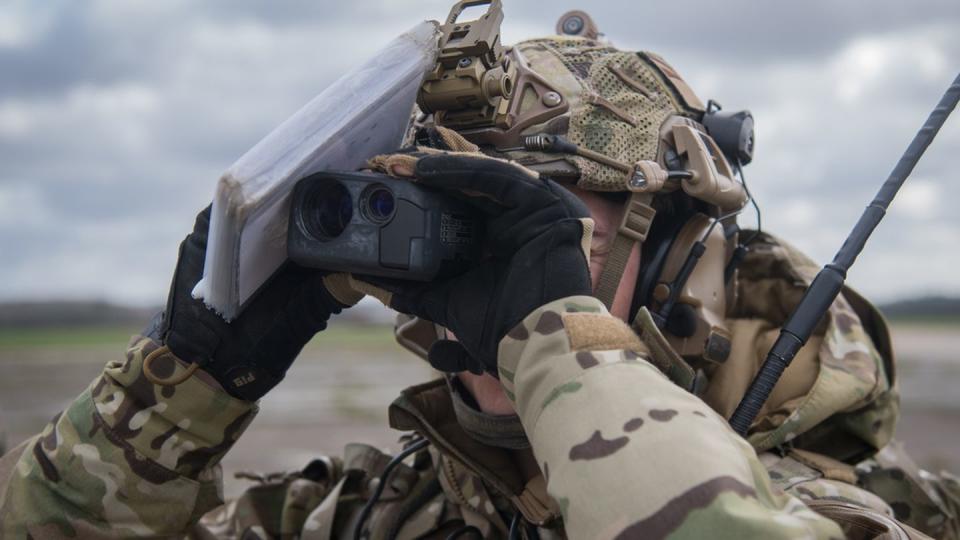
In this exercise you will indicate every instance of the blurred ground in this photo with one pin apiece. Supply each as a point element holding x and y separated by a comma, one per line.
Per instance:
<point>338,391</point>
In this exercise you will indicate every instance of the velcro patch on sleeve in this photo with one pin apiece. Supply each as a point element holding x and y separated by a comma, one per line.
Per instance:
<point>600,332</point>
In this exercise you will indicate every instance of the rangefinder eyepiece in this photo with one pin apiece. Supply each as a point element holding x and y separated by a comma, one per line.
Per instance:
<point>373,224</point>
<point>378,203</point>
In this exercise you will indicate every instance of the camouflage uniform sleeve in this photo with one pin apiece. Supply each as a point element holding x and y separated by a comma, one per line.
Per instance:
<point>126,459</point>
<point>625,452</point>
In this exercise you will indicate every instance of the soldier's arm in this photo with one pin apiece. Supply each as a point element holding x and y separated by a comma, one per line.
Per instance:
<point>126,459</point>
<point>626,453</point>
<point>130,458</point>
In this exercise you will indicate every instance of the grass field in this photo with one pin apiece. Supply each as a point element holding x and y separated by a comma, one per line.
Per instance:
<point>336,335</point>
<point>347,335</point>
<point>63,337</point>
<point>934,321</point>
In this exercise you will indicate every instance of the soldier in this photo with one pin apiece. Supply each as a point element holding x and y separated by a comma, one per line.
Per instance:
<point>567,411</point>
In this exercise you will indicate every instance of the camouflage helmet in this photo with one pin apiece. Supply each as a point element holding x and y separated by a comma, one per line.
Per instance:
<point>580,111</point>
<point>618,103</point>
<point>609,103</point>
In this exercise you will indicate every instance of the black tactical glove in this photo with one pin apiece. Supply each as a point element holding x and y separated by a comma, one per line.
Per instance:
<point>249,355</point>
<point>534,231</point>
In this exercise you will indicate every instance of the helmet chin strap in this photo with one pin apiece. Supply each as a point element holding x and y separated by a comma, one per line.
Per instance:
<point>633,229</point>
<point>641,179</point>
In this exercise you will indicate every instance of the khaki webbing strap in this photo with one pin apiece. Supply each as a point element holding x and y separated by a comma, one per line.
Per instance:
<point>613,270</point>
<point>637,217</point>
<point>536,505</point>
<point>662,354</point>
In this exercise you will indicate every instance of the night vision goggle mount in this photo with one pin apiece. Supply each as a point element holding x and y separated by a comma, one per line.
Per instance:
<point>476,85</point>
<point>469,86</point>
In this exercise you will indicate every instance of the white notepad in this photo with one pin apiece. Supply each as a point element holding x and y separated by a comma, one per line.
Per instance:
<point>362,114</point>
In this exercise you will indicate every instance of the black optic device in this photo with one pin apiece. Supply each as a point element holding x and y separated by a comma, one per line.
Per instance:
<point>369,223</point>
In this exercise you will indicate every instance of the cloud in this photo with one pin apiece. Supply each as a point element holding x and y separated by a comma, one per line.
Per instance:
<point>117,117</point>
<point>920,200</point>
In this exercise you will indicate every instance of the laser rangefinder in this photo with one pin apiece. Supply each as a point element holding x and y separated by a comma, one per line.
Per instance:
<point>373,224</point>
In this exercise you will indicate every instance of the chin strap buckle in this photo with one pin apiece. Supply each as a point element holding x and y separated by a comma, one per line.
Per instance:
<point>637,217</point>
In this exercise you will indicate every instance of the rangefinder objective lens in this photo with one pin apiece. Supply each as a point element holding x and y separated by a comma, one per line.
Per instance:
<point>346,211</point>
<point>379,204</point>
<point>330,210</point>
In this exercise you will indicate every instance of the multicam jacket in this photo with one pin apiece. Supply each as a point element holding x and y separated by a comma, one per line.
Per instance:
<point>616,449</point>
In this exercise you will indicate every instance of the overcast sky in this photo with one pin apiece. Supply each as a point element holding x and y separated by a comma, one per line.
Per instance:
<point>117,117</point>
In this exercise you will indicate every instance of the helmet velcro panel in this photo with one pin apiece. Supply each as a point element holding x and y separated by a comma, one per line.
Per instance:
<point>618,106</point>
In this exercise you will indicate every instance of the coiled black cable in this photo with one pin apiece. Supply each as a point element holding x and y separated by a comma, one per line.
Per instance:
<point>514,533</point>
<point>367,508</point>
<point>464,530</point>
<point>753,201</point>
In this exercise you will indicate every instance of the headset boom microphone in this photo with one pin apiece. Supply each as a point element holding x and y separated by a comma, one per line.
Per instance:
<point>826,286</point>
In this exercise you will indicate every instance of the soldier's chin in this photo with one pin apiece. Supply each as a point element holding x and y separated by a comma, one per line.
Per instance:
<point>488,393</point>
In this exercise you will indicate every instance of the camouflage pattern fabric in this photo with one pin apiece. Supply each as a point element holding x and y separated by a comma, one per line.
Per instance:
<point>851,399</point>
<point>808,483</point>
<point>324,501</point>
<point>125,459</point>
<point>594,413</point>
<point>130,459</point>
<point>476,501</point>
<point>895,489</point>
<point>928,502</point>
<point>618,102</point>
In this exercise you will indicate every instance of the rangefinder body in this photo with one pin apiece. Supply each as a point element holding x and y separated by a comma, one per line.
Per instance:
<point>373,224</point>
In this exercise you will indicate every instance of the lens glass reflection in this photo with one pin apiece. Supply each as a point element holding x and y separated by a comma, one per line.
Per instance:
<point>380,204</point>
<point>332,210</point>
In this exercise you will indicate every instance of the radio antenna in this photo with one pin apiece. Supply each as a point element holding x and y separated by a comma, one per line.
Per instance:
<point>826,286</point>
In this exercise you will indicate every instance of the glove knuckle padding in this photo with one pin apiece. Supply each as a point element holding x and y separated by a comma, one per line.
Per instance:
<point>565,253</point>
<point>501,180</point>
<point>534,240</point>
<point>533,236</point>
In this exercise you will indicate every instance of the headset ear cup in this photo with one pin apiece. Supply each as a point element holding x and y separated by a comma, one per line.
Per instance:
<point>653,256</point>
<point>683,321</point>
<point>685,281</point>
